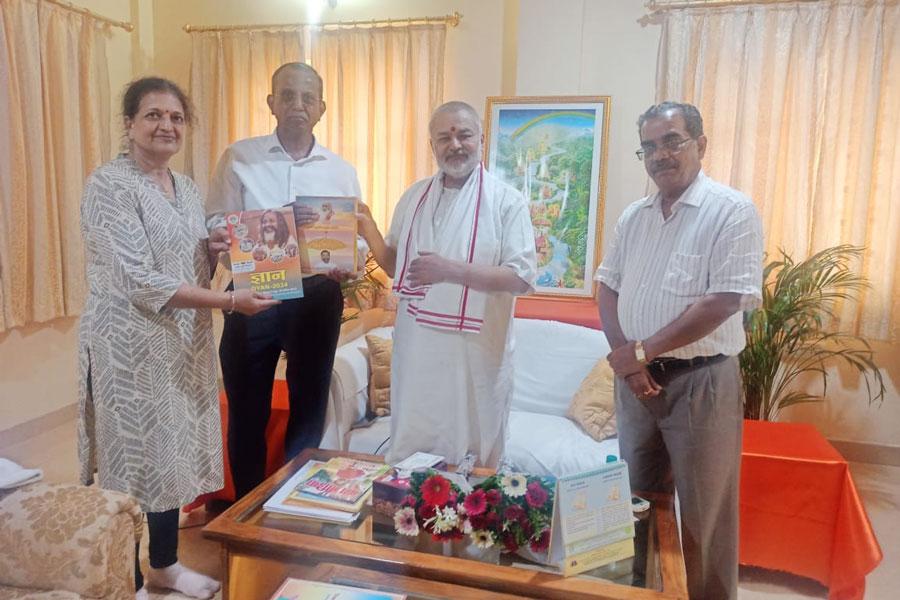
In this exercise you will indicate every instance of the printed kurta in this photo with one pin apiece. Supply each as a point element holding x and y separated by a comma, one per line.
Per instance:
<point>150,423</point>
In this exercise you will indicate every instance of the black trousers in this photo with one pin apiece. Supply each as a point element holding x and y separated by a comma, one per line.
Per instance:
<point>307,329</point>
<point>163,528</point>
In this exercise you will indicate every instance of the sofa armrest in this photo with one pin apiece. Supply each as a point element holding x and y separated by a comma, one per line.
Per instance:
<point>348,395</point>
<point>69,537</point>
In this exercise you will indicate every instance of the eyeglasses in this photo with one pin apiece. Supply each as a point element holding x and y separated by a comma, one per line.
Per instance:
<point>672,147</point>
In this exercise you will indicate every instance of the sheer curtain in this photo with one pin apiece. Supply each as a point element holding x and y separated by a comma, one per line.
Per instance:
<point>381,84</point>
<point>801,105</point>
<point>54,130</point>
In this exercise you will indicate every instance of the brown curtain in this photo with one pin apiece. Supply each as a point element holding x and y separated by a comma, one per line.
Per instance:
<point>381,85</point>
<point>54,130</point>
<point>801,105</point>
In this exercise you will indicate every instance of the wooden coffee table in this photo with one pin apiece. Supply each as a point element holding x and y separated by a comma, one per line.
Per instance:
<point>260,549</point>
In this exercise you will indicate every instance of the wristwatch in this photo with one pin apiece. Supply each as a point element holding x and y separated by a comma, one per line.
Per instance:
<point>639,352</point>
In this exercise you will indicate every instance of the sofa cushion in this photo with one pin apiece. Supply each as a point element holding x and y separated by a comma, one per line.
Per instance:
<point>380,350</point>
<point>593,406</point>
<point>68,537</point>
<point>542,444</point>
<point>550,361</point>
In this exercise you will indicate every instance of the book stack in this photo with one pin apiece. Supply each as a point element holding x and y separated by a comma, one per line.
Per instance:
<point>593,524</point>
<point>335,490</point>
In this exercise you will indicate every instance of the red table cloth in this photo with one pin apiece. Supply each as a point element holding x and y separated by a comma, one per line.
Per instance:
<point>800,511</point>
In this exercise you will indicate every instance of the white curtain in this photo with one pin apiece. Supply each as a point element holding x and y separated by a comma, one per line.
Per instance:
<point>381,85</point>
<point>54,130</point>
<point>801,105</point>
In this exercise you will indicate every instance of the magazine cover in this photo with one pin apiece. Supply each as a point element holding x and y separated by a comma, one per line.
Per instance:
<point>265,253</point>
<point>330,242</point>
<point>302,589</point>
<point>340,479</point>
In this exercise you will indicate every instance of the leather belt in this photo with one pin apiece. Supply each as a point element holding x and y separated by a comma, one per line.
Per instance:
<point>665,364</point>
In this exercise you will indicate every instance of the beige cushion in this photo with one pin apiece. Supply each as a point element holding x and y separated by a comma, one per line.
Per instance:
<point>380,350</point>
<point>593,406</point>
<point>69,538</point>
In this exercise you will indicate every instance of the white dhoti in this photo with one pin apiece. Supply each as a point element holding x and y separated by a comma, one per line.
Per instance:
<point>451,375</point>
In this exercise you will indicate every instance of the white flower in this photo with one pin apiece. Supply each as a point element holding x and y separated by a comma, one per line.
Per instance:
<point>445,519</point>
<point>482,538</point>
<point>514,485</point>
<point>464,524</point>
<point>405,521</point>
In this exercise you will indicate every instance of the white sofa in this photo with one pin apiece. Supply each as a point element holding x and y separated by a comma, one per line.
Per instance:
<point>550,361</point>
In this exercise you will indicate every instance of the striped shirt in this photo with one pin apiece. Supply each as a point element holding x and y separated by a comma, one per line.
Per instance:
<point>712,242</point>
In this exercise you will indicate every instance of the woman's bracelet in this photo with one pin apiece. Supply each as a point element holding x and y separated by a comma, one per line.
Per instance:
<point>230,310</point>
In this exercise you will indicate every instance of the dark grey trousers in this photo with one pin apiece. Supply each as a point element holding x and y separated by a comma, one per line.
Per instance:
<point>690,435</point>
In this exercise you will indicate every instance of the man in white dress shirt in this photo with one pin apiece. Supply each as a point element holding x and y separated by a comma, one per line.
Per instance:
<point>683,265</point>
<point>266,172</point>
<point>460,248</point>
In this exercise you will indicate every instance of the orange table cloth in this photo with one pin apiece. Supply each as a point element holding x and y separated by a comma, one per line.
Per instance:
<point>800,511</point>
<point>582,312</point>
<point>274,442</point>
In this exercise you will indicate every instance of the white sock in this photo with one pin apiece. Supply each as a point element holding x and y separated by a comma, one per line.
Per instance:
<point>142,594</point>
<point>181,579</point>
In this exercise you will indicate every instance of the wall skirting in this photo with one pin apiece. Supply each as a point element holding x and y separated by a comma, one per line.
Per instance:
<point>864,452</point>
<point>38,425</point>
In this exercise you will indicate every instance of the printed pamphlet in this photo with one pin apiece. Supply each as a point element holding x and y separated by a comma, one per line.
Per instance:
<point>330,242</point>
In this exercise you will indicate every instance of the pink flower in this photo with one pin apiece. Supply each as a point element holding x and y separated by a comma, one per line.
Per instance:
<point>405,522</point>
<point>542,542</point>
<point>436,490</point>
<point>536,495</point>
<point>475,503</point>
<point>409,500</point>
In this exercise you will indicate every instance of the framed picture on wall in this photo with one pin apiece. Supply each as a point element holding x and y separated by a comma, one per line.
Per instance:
<point>553,149</point>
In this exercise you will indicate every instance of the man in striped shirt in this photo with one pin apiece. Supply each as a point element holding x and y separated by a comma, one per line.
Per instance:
<point>684,263</point>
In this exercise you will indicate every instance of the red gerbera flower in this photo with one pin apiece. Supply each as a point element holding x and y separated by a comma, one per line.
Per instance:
<point>436,490</point>
<point>536,495</point>
<point>514,513</point>
<point>493,497</point>
<point>426,511</point>
<point>509,541</point>
<point>475,503</point>
<point>542,542</point>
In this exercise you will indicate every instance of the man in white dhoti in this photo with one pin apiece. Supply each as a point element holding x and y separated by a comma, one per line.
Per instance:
<point>460,248</point>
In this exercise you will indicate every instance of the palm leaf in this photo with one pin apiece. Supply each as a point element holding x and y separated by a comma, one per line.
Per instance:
<point>791,334</point>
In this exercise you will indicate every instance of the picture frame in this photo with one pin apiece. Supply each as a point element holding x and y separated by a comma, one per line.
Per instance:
<point>554,150</point>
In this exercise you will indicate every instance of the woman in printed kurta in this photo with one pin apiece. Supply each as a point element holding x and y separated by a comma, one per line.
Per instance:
<point>148,394</point>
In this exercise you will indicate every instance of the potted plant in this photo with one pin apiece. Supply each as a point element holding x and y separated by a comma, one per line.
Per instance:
<point>362,291</point>
<point>792,333</point>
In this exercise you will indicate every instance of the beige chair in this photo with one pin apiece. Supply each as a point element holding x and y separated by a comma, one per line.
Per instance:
<point>67,541</point>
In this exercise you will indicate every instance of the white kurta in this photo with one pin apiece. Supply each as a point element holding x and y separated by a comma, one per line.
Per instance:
<point>451,390</point>
<point>150,422</point>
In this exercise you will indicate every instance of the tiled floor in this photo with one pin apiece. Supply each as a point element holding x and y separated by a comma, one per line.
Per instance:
<point>879,486</point>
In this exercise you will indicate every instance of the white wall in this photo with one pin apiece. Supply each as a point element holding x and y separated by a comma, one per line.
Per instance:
<point>594,48</point>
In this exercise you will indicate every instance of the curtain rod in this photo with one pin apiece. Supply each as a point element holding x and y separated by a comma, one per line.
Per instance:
<point>451,20</point>
<point>655,6</point>
<point>69,6</point>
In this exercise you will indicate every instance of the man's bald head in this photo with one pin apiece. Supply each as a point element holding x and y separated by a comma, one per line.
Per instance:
<point>455,106</point>
<point>301,67</point>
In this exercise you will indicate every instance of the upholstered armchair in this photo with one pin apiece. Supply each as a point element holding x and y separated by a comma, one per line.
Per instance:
<point>67,541</point>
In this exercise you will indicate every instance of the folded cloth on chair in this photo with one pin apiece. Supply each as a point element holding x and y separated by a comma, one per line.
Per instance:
<point>12,475</point>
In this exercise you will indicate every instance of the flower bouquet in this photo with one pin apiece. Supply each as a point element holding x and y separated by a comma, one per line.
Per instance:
<point>512,509</point>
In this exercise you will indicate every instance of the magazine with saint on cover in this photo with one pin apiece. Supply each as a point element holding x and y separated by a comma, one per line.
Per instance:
<point>330,242</point>
<point>265,255</point>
